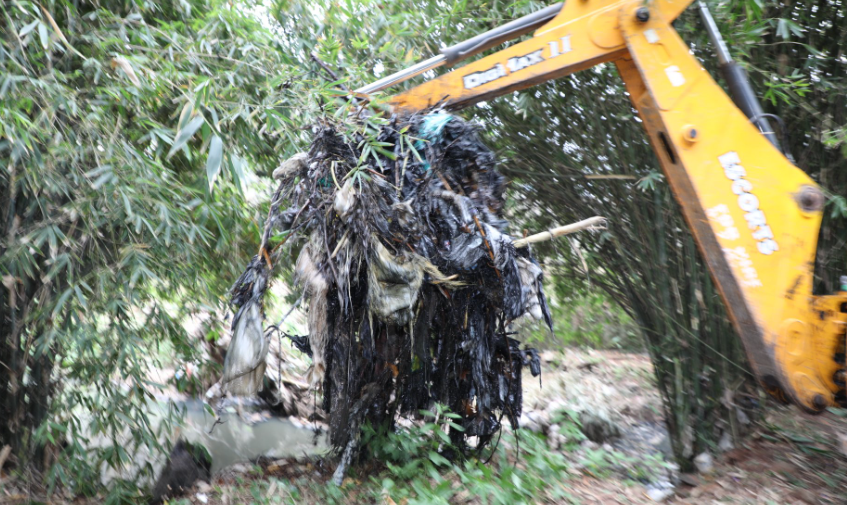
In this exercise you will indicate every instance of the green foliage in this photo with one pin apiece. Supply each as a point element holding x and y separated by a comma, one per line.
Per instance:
<point>417,450</point>
<point>599,462</point>
<point>584,318</point>
<point>569,427</point>
<point>521,469</point>
<point>131,134</point>
<point>555,134</point>
<point>603,463</point>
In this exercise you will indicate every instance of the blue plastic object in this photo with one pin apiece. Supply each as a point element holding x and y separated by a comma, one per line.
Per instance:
<point>431,129</point>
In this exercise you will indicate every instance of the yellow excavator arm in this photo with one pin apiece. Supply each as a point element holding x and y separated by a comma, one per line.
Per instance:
<point>754,215</point>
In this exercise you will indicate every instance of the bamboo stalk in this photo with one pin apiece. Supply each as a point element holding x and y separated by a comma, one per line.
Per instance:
<point>591,222</point>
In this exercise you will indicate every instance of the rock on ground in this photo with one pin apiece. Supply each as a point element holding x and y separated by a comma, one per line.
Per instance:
<point>704,462</point>
<point>597,426</point>
<point>186,465</point>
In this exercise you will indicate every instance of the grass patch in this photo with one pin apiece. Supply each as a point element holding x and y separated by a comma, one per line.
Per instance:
<point>418,465</point>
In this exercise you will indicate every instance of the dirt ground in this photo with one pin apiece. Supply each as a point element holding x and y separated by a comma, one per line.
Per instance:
<point>792,457</point>
<point>789,457</point>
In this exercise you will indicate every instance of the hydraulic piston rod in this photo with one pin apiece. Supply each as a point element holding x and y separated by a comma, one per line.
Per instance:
<point>463,50</point>
<point>739,86</point>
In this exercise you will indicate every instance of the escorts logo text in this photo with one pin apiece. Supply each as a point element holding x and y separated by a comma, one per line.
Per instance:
<point>748,202</point>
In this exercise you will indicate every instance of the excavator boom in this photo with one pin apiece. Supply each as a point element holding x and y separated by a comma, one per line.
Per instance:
<point>754,215</point>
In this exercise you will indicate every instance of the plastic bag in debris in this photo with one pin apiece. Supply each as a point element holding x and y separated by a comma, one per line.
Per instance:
<point>395,282</point>
<point>244,366</point>
<point>315,287</point>
<point>411,276</point>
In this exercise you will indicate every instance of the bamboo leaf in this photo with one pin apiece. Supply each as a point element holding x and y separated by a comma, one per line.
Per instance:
<point>185,134</point>
<point>238,172</point>
<point>59,32</point>
<point>60,303</point>
<point>123,64</point>
<point>185,114</point>
<point>28,28</point>
<point>42,34</point>
<point>213,162</point>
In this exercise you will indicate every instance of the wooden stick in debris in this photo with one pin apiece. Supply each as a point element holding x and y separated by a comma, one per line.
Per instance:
<point>340,244</point>
<point>487,245</point>
<point>615,177</point>
<point>341,469</point>
<point>591,222</point>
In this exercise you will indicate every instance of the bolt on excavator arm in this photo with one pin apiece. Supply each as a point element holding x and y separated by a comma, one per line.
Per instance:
<point>754,215</point>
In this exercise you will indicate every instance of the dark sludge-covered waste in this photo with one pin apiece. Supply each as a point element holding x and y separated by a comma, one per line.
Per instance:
<point>409,278</point>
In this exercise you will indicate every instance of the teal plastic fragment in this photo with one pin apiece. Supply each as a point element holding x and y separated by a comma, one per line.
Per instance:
<point>431,129</point>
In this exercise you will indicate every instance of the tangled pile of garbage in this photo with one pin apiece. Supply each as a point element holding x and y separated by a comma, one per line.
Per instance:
<point>411,277</point>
